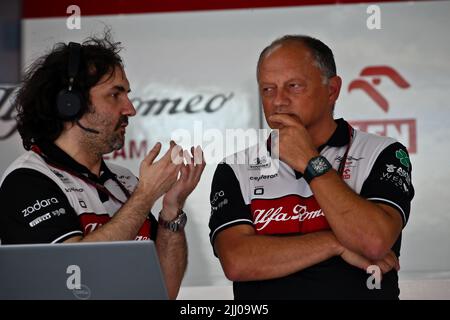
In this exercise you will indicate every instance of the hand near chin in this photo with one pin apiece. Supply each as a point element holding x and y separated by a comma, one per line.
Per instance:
<point>294,142</point>
<point>191,172</point>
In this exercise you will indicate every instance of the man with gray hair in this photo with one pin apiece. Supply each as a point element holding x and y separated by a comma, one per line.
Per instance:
<point>334,211</point>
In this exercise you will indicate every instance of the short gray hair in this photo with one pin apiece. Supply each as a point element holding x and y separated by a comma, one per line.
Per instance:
<point>322,54</point>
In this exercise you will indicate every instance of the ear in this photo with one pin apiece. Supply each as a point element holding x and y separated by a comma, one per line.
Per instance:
<point>334,88</point>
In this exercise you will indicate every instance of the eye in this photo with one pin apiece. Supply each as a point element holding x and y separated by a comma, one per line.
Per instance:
<point>295,86</point>
<point>268,91</point>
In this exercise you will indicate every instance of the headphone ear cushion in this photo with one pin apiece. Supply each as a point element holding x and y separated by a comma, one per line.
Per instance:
<point>68,104</point>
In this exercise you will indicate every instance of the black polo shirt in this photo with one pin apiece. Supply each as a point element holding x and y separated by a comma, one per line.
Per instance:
<point>281,203</point>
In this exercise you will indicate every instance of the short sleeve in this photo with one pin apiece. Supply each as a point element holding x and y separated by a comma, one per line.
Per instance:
<point>35,210</point>
<point>227,204</point>
<point>389,181</point>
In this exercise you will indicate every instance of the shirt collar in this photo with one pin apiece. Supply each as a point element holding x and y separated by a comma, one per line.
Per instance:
<point>57,155</point>
<point>340,136</point>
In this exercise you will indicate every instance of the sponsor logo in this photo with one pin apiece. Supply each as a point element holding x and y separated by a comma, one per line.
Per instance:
<point>59,212</point>
<point>397,176</point>
<point>142,238</point>
<point>74,189</point>
<point>259,162</point>
<point>351,162</point>
<point>299,213</point>
<point>216,196</point>
<point>258,191</point>
<point>403,130</point>
<point>38,205</point>
<point>350,159</point>
<point>61,176</point>
<point>403,157</point>
<point>38,220</point>
<point>369,89</point>
<point>82,204</point>
<point>346,174</point>
<point>289,214</point>
<point>403,173</point>
<point>219,205</point>
<point>390,168</point>
<point>91,221</point>
<point>91,227</point>
<point>264,177</point>
<point>145,106</point>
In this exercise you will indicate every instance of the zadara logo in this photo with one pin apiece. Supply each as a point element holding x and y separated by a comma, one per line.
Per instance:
<point>369,88</point>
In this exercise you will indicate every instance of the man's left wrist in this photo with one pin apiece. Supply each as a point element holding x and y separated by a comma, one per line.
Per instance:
<point>175,224</point>
<point>316,167</point>
<point>169,212</point>
<point>301,167</point>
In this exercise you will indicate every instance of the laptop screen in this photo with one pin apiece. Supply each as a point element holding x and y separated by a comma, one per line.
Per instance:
<point>94,270</point>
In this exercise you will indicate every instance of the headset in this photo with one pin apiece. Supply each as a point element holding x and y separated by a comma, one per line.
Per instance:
<point>69,102</point>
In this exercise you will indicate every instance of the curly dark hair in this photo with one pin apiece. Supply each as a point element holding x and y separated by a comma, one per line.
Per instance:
<point>35,102</point>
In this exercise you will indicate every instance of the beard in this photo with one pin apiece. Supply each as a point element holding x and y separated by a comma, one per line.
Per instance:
<point>107,140</point>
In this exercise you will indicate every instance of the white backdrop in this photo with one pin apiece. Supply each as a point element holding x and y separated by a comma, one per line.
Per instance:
<point>204,62</point>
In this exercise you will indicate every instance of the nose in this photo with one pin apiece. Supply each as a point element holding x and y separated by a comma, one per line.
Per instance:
<point>128,108</point>
<point>281,99</point>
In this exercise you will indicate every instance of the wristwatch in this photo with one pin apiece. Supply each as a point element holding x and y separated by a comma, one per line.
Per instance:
<point>317,166</point>
<point>176,224</point>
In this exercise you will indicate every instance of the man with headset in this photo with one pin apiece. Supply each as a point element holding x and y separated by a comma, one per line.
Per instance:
<point>73,108</point>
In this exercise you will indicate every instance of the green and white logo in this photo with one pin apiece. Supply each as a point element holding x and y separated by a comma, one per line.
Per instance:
<point>403,157</point>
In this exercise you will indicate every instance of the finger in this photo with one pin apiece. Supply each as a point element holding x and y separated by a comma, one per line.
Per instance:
<point>198,155</point>
<point>188,157</point>
<point>189,167</point>
<point>396,261</point>
<point>185,172</point>
<point>285,120</point>
<point>176,153</point>
<point>384,266</point>
<point>153,153</point>
<point>198,152</point>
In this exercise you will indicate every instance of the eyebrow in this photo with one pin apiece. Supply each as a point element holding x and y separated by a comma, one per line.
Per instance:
<point>121,89</point>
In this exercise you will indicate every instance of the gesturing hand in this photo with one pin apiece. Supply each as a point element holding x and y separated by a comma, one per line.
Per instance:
<point>189,178</point>
<point>155,178</point>
<point>294,142</point>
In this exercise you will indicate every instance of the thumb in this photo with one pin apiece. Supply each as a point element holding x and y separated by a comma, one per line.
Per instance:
<point>153,153</point>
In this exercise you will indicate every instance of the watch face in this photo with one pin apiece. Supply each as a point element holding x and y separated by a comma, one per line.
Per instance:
<point>320,165</point>
<point>179,222</point>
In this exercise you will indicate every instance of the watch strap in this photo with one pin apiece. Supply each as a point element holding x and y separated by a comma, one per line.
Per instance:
<point>176,224</point>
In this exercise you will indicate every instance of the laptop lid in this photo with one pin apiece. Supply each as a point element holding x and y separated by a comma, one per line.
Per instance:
<point>94,270</point>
